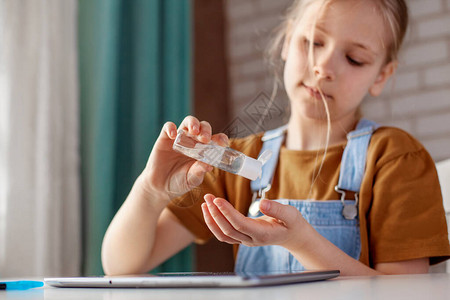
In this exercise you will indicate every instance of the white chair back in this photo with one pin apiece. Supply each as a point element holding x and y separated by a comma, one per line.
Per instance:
<point>443,169</point>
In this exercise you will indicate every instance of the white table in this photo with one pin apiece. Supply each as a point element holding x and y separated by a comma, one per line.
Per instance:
<point>426,286</point>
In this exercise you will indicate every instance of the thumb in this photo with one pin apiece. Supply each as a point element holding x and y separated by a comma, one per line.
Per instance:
<point>285,213</point>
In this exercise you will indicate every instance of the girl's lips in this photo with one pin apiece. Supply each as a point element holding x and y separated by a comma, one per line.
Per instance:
<point>315,93</point>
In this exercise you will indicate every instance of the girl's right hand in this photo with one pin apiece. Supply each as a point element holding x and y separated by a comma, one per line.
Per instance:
<point>172,173</point>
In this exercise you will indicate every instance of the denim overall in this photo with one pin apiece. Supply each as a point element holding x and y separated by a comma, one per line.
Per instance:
<point>336,220</point>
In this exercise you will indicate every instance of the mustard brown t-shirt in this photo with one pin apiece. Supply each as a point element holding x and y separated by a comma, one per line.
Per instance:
<point>400,210</point>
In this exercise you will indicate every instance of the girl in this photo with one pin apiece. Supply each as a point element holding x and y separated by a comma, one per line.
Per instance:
<point>367,201</point>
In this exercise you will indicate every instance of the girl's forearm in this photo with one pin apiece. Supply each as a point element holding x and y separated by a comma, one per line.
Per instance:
<point>129,240</point>
<point>315,252</point>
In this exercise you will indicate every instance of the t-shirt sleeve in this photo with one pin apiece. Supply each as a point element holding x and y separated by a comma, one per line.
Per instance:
<point>407,219</point>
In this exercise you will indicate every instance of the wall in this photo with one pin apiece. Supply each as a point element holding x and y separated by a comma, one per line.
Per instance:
<point>418,102</point>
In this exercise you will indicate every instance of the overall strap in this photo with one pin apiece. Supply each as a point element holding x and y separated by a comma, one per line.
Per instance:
<point>272,140</point>
<point>354,161</point>
<point>354,158</point>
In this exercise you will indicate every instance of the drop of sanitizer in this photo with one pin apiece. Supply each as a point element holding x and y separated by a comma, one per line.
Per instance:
<point>224,158</point>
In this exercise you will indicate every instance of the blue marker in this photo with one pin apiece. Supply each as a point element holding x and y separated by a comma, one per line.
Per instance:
<point>20,285</point>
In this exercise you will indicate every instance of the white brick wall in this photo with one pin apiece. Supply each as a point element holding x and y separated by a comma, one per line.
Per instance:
<point>437,76</point>
<point>431,125</point>
<point>238,10</point>
<point>417,100</point>
<point>419,104</point>
<point>424,53</point>
<point>420,8</point>
<point>403,82</point>
<point>436,27</point>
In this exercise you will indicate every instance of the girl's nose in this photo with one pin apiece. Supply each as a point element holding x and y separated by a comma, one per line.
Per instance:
<point>323,68</point>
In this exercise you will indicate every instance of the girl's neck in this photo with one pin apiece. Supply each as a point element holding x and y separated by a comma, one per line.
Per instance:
<point>310,134</point>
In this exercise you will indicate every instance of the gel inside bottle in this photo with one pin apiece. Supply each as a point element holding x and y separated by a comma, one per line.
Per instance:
<point>224,158</point>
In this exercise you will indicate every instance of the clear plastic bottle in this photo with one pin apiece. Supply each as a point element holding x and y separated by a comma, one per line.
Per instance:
<point>224,158</point>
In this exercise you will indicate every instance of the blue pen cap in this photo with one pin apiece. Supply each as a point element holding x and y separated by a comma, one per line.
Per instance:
<point>20,285</point>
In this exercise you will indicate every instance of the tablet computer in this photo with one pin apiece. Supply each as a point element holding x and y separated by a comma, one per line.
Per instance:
<point>191,280</point>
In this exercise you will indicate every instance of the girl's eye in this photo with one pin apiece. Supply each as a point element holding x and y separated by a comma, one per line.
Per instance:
<point>316,44</point>
<point>354,62</point>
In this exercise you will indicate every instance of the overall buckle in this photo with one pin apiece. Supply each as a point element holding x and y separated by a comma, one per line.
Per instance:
<point>254,207</point>
<point>349,211</point>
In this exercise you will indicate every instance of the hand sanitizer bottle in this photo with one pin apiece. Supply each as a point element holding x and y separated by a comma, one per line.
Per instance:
<point>224,158</point>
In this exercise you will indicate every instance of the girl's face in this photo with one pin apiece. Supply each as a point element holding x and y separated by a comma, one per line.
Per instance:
<point>350,42</point>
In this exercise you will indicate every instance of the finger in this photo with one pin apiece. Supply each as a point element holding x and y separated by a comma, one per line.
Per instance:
<point>214,228</point>
<point>237,220</point>
<point>191,124</point>
<point>197,173</point>
<point>286,213</point>
<point>169,130</point>
<point>221,221</point>
<point>205,132</point>
<point>221,139</point>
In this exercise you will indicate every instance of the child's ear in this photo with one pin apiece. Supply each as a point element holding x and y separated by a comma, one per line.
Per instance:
<point>287,41</point>
<point>385,73</point>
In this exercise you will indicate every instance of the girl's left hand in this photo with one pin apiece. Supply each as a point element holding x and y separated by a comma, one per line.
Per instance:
<point>280,225</point>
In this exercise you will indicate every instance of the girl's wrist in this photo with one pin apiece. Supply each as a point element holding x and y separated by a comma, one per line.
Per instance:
<point>145,190</point>
<point>300,241</point>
